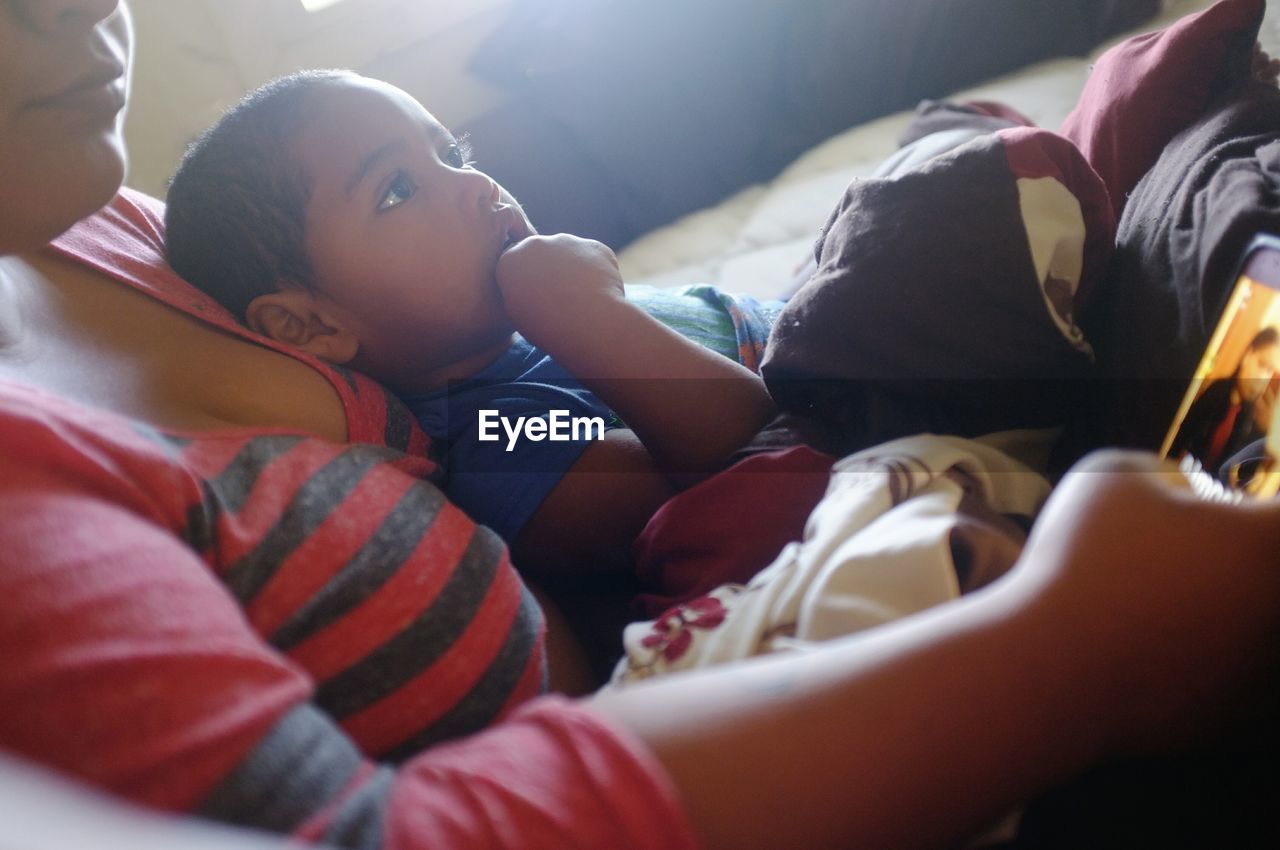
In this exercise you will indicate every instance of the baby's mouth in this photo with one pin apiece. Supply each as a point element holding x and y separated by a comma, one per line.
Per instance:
<point>517,229</point>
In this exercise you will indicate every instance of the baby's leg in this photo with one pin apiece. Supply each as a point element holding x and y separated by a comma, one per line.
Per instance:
<point>568,669</point>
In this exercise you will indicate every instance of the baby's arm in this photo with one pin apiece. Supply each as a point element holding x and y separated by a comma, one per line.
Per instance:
<point>588,521</point>
<point>690,407</point>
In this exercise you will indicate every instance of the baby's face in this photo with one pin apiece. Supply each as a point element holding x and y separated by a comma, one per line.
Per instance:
<point>402,233</point>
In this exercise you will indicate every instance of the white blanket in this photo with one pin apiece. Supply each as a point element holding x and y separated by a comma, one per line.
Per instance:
<point>876,548</point>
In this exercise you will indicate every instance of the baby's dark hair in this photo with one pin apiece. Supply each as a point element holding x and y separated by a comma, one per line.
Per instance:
<point>235,221</point>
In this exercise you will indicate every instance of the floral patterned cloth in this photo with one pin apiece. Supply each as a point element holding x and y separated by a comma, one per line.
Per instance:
<point>879,546</point>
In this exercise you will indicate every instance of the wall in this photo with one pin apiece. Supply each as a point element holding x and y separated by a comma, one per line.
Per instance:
<point>197,57</point>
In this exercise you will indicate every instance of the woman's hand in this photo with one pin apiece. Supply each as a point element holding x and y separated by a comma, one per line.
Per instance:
<point>1176,600</point>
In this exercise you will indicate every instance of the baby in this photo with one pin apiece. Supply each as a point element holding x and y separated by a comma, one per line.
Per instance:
<point>334,214</point>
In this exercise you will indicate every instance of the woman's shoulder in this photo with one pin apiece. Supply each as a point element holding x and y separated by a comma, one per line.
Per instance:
<point>125,241</point>
<point>58,447</point>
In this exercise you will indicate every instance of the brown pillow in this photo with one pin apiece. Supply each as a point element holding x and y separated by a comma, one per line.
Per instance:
<point>945,297</point>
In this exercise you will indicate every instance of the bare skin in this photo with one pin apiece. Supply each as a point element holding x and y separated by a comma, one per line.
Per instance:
<point>151,362</point>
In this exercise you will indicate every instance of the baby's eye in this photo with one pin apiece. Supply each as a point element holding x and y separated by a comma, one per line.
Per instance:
<point>458,154</point>
<point>400,190</point>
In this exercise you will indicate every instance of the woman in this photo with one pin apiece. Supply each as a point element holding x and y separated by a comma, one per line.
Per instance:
<point>142,446</point>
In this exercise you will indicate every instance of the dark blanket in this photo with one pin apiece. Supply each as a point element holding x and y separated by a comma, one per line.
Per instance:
<point>624,115</point>
<point>1181,239</point>
<point>945,296</point>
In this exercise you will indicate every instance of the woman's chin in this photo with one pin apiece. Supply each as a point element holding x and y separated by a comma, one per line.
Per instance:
<point>51,212</point>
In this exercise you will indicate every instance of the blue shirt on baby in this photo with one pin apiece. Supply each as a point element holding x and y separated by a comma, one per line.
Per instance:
<point>502,489</point>
<point>497,487</point>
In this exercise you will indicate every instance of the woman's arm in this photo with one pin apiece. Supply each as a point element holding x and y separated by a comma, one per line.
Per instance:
<point>1136,616</point>
<point>912,735</point>
<point>690,407</point>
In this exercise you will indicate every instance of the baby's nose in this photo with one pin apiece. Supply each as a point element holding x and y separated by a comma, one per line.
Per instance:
<point>479,189</point>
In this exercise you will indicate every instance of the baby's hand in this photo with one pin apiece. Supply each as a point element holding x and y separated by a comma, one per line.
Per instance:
<point>549,280</point>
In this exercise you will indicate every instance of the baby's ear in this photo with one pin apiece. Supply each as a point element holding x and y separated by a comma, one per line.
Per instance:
<point>298,319</point>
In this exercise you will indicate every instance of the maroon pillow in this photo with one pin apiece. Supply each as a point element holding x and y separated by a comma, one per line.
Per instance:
<point>1148,88</point>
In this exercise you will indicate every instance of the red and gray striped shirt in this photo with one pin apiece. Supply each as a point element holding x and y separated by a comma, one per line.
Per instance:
<point>408,617</point>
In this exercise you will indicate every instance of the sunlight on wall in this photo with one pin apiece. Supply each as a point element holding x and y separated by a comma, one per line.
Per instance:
<point>195,59</point>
